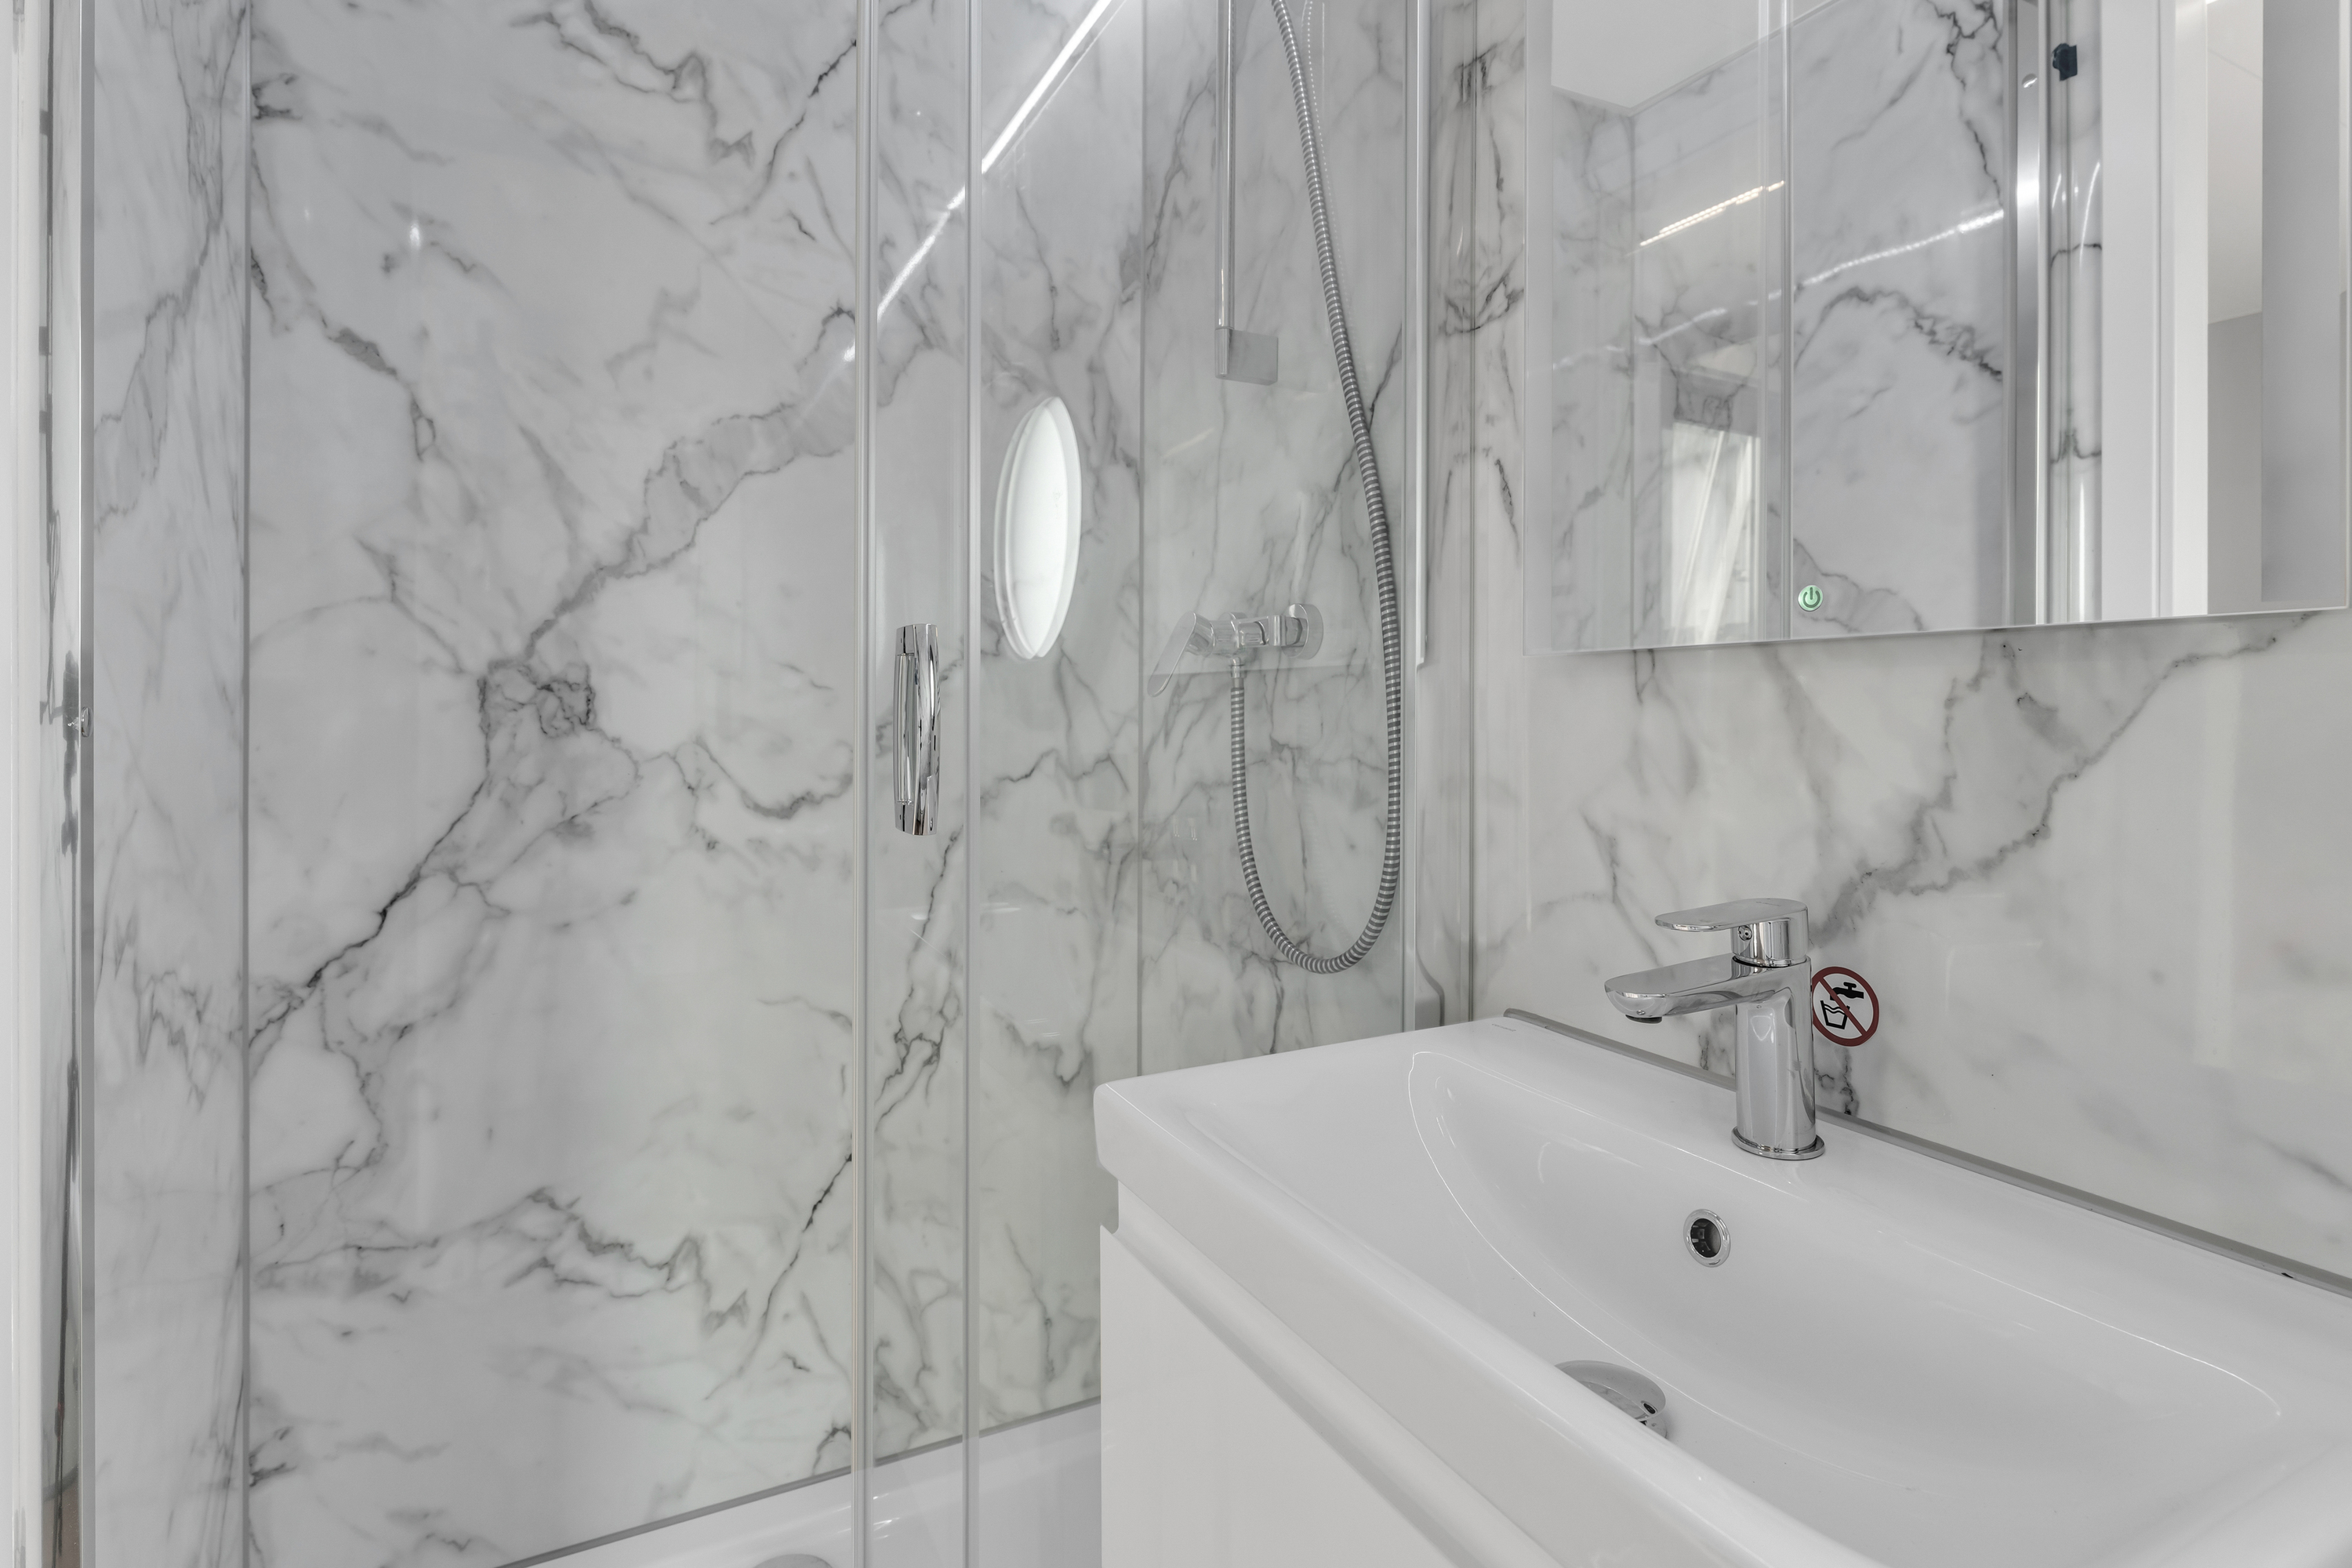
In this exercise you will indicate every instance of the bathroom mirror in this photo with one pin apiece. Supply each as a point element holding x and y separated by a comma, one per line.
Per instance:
<point>1037,528</point>
<point>1872,316</point>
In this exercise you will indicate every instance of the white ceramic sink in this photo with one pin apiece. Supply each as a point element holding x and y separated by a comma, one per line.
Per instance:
<point>1898,1360</point>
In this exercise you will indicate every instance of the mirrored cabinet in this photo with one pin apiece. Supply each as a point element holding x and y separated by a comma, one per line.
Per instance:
<point>1873,316</point>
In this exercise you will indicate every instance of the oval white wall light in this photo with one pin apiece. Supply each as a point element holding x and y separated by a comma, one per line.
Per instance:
<point>1037,528</point>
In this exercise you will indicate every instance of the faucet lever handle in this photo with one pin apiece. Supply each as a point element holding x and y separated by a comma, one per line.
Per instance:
<point>1770,931</point>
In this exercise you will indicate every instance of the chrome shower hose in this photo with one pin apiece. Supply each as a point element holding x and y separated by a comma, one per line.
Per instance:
<point>1376,512</point>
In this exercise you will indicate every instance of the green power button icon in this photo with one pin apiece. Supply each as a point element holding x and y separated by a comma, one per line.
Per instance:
<point>1810,597</point>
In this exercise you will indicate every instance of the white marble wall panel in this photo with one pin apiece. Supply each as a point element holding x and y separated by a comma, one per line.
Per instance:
<point>1898,137</point>
<point>1893,189</point>
<point>1585,595</point>
<point>552,675</point>
<point>1662,286</point>
<point>1057,738</point>
<point>167,557</point>
<point>2091,871</point>
<point>1704,280</point>
<point>2085,872</point>
<point>1250,503</point>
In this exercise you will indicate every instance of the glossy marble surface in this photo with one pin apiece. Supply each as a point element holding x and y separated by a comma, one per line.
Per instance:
<point>1664,284</point>
<point>1581,590</point>
<point>917,915</point>
<point>166,562</point>
<point>1059,749</point>
<point>1250,503</point>
<point>2089,871</point>
<point>1111,934</point>
<point>551,831</point>
<point>1900,314</point>
<point>1446,1216</point>
<point>552,756</point>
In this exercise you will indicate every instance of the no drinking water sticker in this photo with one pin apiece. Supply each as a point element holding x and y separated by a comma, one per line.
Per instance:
<point>1845,1006</point>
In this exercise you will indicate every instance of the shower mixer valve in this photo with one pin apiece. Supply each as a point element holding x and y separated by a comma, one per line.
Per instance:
<point>1297,631</point>
<point>1237,636</point>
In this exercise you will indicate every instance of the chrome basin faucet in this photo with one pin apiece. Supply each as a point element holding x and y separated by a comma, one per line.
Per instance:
<point>1768,976</point>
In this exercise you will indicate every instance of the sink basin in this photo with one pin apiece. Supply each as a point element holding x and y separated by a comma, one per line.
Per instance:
<point>1893,1360</point>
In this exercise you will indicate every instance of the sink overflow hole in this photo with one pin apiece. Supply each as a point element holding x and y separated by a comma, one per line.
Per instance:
<point>1624,1387</point>
<point>1704,1235</point>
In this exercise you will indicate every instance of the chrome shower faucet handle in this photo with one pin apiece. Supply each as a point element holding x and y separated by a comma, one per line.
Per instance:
<point>1772,932</point>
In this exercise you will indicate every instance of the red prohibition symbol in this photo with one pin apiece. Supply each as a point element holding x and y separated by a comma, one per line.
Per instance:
<point>1845,1009</point>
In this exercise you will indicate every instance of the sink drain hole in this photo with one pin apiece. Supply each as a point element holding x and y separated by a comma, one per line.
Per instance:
<point>1624,1387</point>
<point>1704,1235</point>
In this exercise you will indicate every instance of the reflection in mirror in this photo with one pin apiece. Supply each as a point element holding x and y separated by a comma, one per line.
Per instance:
<point>2256,127</point>
<point>1870,316</point>
<point>1037,529</point>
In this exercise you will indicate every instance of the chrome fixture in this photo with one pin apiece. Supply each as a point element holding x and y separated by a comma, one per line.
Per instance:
<point>1188,637</point>
<point>1766,976</point>
<point>2026,386</point>
<point>1376,520</point>
<point>1254,357</point>
<point>1297,632</point>
<point>918,727</point>
<point>1621,1386</point>
<point>2054,569</point>
<point>1705,1237</point>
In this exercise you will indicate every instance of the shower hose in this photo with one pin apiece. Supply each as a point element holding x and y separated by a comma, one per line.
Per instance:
<point>1376,513</point>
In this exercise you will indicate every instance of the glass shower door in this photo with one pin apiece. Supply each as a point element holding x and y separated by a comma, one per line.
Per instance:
<point>1001,943</point>
<point>1109,930</point>
<point>641,1084</point>
<point>1057,759</point>
<point>1057,478</point>
<point>914,395</point>
<point>1254,502</point>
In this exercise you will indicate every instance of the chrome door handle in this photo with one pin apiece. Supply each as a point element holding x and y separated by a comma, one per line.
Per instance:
<point>918,728</point>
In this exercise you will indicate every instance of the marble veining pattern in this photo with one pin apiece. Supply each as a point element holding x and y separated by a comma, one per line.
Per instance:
<point>1250,503</point>
<point>1667,319</point>
<point>1898,139</point>
<point>166,552</point>
<point>550,818</point>
<point>550,754</point>
<point>2091,871</point>
<point>1058,742</point>
<point>1583,595</point>
<point>917,999</point>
